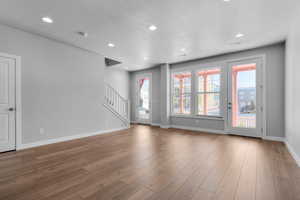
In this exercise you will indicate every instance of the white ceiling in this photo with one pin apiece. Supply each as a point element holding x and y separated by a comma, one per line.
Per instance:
<point>202,27</point>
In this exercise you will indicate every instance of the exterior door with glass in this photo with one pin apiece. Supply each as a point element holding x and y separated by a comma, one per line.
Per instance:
<point>245,98</point>
<point>144,98</point>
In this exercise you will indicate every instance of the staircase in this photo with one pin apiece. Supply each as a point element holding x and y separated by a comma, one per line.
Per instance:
<point>117,104</point>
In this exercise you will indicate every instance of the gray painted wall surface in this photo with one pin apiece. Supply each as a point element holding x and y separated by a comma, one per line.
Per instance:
<point>155,93</point>
<point>198,123</point>
<point>62,87</point>
<point>119,80</point>
<point>165,99</point>
<point>292,105</point>
<point>275,63</point>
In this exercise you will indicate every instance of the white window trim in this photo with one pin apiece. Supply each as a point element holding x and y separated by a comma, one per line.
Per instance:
<point>198,117</point>
<point>224,63</point>
<point>193,68</point>
<point>220,92</point>
<point>171,92</point>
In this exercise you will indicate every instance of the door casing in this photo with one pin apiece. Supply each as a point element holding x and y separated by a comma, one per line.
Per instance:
<point>18,98</point>
<point>139,76</point>
<point>260,73</point>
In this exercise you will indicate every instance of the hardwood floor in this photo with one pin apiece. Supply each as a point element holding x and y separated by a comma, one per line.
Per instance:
<point>147,163</point>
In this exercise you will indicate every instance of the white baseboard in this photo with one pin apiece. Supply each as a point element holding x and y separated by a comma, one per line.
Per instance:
<point>144,123</point>
<point>155,124</point>
<point>199,129</point>
<point>67,138</point>
<point>293,153</point>
<point>165,126</point>
<point>272,138</point>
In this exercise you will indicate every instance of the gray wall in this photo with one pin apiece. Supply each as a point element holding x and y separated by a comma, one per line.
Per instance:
<point>165,99</point>
<point>275,63</point>
<point>119,80</point>
<point>155,93</point>
<point>62,87</point>
<point>292,104</point>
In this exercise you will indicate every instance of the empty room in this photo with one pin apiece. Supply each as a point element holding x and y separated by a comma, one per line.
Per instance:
<point>149,100</point>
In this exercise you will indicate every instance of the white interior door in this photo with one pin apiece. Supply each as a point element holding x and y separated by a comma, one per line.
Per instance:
<point>7,104</point>
<point>245,98</point>
<point>144,98</point>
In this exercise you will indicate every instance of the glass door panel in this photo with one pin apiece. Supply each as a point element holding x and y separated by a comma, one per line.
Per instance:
<point>144,99</point>
<point>245,98</point>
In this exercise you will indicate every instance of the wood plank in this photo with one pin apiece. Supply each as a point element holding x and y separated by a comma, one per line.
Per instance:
<point>147,163</point>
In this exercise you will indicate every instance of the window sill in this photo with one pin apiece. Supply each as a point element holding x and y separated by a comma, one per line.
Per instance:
<point>199,117</point>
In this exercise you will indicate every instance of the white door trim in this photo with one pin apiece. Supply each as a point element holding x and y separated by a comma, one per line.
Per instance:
<point>262,57</point>
<point>136,97</point>
<point>18,98</point>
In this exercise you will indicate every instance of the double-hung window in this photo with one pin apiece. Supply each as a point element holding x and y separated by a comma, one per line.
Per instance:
<point>181,93</point>
<point>208,92</point>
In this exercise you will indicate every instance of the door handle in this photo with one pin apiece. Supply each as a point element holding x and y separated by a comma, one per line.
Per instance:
<point>229,105</point>
<point>11,109</point>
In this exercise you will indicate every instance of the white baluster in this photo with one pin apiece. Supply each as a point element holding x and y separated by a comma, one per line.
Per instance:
<point>106,94</point>
<point>114,99</point>
<point>124,109</point>
<point>111,97</point>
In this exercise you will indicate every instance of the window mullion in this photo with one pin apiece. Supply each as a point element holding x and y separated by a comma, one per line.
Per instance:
<point>207,93</point>
<point>193,93</point>
<point>181,103</point>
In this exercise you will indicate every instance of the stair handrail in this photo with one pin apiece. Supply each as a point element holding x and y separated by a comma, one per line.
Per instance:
<point>117,102</point>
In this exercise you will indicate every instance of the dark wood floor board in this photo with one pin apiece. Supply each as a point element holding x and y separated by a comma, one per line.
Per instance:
<point>246,188</point>
<point>150,163</point>
<point>265,181</point>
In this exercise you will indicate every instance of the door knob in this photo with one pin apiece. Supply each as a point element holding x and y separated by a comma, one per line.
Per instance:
<point>11,109</point>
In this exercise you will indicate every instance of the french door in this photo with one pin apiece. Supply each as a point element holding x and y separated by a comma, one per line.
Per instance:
<point>144,98</point>
<point>244,106</point>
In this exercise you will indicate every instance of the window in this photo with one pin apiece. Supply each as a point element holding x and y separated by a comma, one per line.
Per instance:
<point>208,92</point>
<point>181,93</point>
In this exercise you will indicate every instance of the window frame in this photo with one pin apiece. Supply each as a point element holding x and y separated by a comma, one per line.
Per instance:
<point>172,93</point>
<point>193,69</point>
<point>205,92</point>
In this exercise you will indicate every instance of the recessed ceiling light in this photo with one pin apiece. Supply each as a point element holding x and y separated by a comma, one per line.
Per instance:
<point>152,28</point>
<point>145,58</point>
<point>226,0</point>
<point>182,49</point>
<point>111,45</point>
<point>47,20</point>
<point>239,35</point>
<point>83,34</point>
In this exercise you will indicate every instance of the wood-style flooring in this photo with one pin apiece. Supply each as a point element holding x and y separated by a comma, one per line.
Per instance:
<point>148,163</point>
